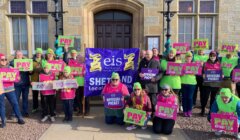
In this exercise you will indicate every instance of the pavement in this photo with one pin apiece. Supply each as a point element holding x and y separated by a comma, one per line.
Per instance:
<point>93,127</point>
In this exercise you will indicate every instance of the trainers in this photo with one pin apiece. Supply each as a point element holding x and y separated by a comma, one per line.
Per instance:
<point>237,135</point>
<point>132,127</point>
<point>144,127</point>
<point>185,114</point>
<point>44,119</point>
<point>52,119</point>
<point>219,133</point>
<point>189,113</point>
<point>21,121</point>
<point>3,125</point>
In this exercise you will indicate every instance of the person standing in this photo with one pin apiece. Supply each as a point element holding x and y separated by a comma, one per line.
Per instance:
<point>9,93</point>
<point>150,85</point>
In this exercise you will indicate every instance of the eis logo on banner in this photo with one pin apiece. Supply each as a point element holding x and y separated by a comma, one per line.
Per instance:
<point>112,63</point>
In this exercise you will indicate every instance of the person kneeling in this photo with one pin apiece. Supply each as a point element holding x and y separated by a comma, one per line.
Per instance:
<point>163,125</point>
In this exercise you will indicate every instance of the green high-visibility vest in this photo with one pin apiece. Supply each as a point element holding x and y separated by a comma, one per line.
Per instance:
<point>228,65</point>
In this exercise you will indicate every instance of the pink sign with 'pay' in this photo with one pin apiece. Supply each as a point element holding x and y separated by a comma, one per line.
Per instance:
<point>174,68</point>
<point>181,48</point>
<point>194,68</point>
<point>9,75</point>
<point>226,122</point>
<point>166,111</point>
<point>77,68</point>
<point>56,65</point>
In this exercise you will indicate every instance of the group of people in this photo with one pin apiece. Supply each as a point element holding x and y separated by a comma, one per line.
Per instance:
<point>178,90</point>
<point>72,99</point>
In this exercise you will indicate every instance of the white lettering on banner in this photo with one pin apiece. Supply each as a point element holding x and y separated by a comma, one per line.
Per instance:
<point>42,86</point>
<point>68,83</point>
<point>112,61</point>
<point>104,81</point>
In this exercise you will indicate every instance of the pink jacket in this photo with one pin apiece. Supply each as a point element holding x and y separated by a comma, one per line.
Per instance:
<point>47,77</point>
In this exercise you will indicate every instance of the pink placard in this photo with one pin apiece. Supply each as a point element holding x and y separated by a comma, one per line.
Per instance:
<point>194,68</point>
<point>56,65</point>
<point>166,111</point>
<point>9,75</point>
<point>236,75</point>
<point>226,122</point>
<point>77,68</point>
<point>174,68</point>
<point>43,77</point>
<point>181,48</point>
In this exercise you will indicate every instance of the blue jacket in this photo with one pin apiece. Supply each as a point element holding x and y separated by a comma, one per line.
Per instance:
<point>25,79</point>
<point>214,109</point>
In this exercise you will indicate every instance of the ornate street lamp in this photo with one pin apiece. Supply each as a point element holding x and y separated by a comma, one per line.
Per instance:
<point>168,14</point>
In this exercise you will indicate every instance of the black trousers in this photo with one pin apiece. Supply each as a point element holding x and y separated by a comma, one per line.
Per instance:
<point>48,105</point>
<point>238,90</point>
<point>198,86</point>
<point>164,126</point>
<point>78,100</point>
<point>35,94</point>
<point>153,99</point>
<point>208,91</point>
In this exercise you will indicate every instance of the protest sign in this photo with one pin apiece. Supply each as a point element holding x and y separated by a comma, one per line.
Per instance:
<point>56,65</point>
<point>213,76</point>
<point>23,64</point>
<point>66,40</point>
<point>229,49</point>
<point>149,73</point>
<point>174,68</point>
<point>200,44</point>
<point>226,122</point>
<point>192,68</point>
<point>9,75</point>
<point>113,100</point>
<point>181,48</point>
<point>41,86</point>
<point>76,68</point>
<point>134,116</point>
<point>100,63</point>
<point>166,111</point>
<point>236,75</point>
<point>68,83</point>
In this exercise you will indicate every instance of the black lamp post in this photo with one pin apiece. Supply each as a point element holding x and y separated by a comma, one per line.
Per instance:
<point>168,14</point>
<point>57,14</point>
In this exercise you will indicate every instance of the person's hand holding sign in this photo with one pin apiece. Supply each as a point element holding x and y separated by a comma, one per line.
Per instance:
<point>141,75</point>
<point>66,46</point>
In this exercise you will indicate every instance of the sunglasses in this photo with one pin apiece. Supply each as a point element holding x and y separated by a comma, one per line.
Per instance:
<point>212,55</point>
<point>164,89</point>
<point>136,89</point>
<point>4,59</point>
<point>114,79</point>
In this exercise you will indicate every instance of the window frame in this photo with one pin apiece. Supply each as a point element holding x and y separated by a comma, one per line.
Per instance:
<point>9,7</point>
<point>153,37</point>
<point>194,6</point>
<point>31,6</point>
<point>215,9</point>
<point>193,27</point>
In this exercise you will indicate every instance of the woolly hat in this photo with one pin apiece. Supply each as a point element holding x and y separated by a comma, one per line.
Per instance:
<point>67,69</point>
<point>115,76</point>
<point>173,50</point>
<point>165,86</point>
<point>50,51</point>
<point>137,85</point>
<point>226,92</point>
<point>189,54</point>
<point>1,55</point>
<point>73,51</point>
<point>39,50</point>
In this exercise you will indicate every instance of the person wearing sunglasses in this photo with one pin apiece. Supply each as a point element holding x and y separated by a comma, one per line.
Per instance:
<point>22,86</point>
<point>139,100</point>
<point>114,113</point>
<point>9,93</point>
<point>210,88</point>
<point>160,125</point>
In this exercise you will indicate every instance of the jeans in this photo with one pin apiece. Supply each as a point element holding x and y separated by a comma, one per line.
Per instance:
<point>207,91</point>
<point>112,119</point>
<point>48,105</point>
<point>11,97</point>
<point>68,108</point>
<point>187,97</point>
<point>78,100</point>
<point>200,86</point>
<point>164,126</point>
<point>153,99</point>
<point>24,90</point>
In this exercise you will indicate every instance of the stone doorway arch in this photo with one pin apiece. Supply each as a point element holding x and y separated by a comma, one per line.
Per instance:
<point>132,6</point>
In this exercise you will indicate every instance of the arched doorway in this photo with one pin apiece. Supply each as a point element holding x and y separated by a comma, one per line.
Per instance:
<point>113,29</point>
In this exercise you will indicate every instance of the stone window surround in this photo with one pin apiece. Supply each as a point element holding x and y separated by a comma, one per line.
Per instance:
<point>197,15</point>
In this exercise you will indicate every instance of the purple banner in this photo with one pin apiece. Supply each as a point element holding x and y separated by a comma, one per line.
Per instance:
<point>113,100</point>
<point>213,76</point>
<point>149,73</point>
<point>100,63</point>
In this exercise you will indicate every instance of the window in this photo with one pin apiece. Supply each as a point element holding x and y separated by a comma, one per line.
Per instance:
<point>186,6</point>
<point>153,42</point>
<point>206,30</point>
<point>19,32</point>
<point>207,6</point>
<point>39,7</point>
<point>18,6</point>
<point>185,29</point>
<point>40,32</point>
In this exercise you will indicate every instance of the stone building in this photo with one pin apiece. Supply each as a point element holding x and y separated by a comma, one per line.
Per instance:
<point>26,24</point>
